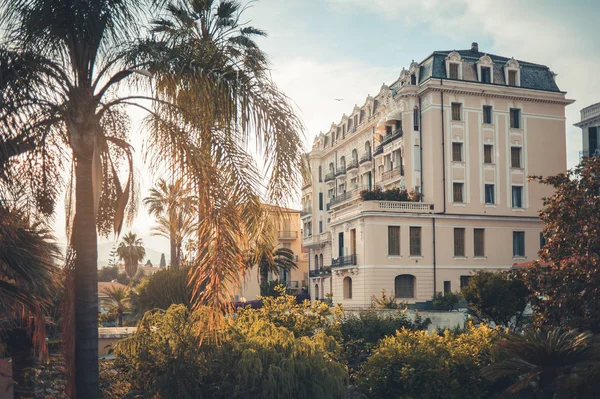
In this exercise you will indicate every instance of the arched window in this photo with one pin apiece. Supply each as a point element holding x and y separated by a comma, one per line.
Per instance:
<point>355,155</point>
<point>404,285</point>
<point>375,105</point>
<point>343,163</point>
<point>316,292</point>
<point>321,260</point>
<point>368,147</point>
<point>316,262</point>
<point>347,288</point>
<point>362,115</point>
<point>331,170</point>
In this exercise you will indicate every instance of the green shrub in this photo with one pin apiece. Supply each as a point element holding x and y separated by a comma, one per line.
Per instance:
<point>416,364</point>
<point>254,358</point>
<point>448,301</point>
<point>268,288</point>
<point>163,289</point>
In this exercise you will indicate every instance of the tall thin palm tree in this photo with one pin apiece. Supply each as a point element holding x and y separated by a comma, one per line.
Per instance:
<point>69,72</point>
<point>131,251</point>
<point>272,260</point>
<point>545,361</point>
<point>172,205</point>
<point>118,298</point>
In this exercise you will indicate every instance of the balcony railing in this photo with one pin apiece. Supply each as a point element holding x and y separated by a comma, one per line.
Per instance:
<point>589,153</point>
<point>392,174</point>
<point>288,235</point>
<point>323,271</point>
<point>348,260</point>
<point>388,138</point>
<point>293,284</point>
<point>367,157</point>
<point>306,211</point>
<point>340,171</point>
<point>352,164</point>
<point>329,177</point>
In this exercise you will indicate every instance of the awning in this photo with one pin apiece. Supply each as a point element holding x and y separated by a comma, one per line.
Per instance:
<point>381,124</point>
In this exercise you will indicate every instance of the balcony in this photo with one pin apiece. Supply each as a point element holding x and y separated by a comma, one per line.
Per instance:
<point>352,165</point>
<point>306,211</point>
<point>589,153</point>
<point>388,138</point>
<point>323,271</point>
<point>346,196</point>
<point>349,260</point>
<point>325,237</point>
<point>287,235</point>
<point>341,171</point>
<point>329,177</point>
<point>367,157</point>
<point>396,172</point>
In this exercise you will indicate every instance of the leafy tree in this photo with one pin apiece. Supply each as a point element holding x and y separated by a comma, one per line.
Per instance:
<point>110,273</point>
<point>118,303</point>
<point>386,301</point>
<point>416,364</point>
<point>548,362</point>
<point>149,263</point>
<point>131,250</point>
<point>172,205</point>
<point>65,85</point>
<point>447,301</point>
<point>28,283</point>
<point>254,358</point>
<point>164,288</point>
<point>566,286</point>
<point>163,261</point>
<point>496,297</point>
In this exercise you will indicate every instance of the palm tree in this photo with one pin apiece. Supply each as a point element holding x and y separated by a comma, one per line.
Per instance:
<point>63,106</point>
<point>271,260</point>
<point>28,284</point>
<point>119,302</point>
<point>172,206</point>
<point>545,361</point>
<point>131,251</point>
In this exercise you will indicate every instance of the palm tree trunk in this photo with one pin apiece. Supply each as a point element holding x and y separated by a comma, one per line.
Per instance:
<point>22,358</point>
<point>173,241</point>
<point>264,275</point>
<point>85,245</point>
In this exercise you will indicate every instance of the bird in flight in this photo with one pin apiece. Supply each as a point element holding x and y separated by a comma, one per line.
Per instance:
<point>338,99</point>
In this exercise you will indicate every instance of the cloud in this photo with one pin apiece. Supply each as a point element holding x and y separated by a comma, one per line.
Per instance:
<point>524,30</point>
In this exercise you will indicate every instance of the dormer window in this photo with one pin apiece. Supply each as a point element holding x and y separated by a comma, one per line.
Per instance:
<point>512,73</point>
<point>485,66</point>
<point>454,66</point>
<point>413,79</point>
<point>486,75</point>
<point>453,71</point>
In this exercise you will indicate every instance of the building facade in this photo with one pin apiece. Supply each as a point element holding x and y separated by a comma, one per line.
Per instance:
<point>287,235</point>
<point>590,126</point>
<point>462,131</point>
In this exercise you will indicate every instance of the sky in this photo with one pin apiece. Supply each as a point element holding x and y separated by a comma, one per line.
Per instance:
<point>322,50</point>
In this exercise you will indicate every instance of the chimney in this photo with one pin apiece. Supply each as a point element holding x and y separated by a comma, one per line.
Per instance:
<point>474,47</point>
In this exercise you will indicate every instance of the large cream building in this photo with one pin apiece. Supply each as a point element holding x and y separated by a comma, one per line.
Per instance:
<point>462,128</point>
<point>590,129</point>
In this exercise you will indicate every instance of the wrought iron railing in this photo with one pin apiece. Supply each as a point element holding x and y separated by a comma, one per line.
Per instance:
<point>352,164</point>
<point>329,177</point>
<point>347,260</point>
<point>367,157</point>
<point>323,271</point>
<point>340,171</point>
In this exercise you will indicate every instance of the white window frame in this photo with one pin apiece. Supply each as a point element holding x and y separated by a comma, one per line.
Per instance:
<point>512,65</point>
<point>454,58</point>
<point>486,62</point>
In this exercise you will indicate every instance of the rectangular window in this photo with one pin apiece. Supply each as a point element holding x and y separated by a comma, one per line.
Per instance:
<point>515,118</point>
<point>512,78</point>
<point>394,240</point>
<point>457,192</point>
<point>320,201</point>
<point>487,153</point>
<point>518,243</point>
<point>464,281</point>
<point>457,150</point>
<point>479,242</point>
<point>320,226</point>
<point>415,241</point>
<point>447,287</point>
<point>487,114</point>
<point>490,197</point>
<point>320,176</point>
<point>456,111</point>
<point>459,242</point>
<point>517,196</point>
<point>486,75</point>
<point>453,73</point>
<point>416,119</point>
<point>515,157</point>
<point>413,79</point>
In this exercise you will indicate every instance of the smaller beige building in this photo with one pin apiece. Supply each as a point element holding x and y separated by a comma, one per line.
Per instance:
<point>288,235</point>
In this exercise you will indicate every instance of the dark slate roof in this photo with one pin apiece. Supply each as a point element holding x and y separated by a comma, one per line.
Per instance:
<point>533,76</point>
